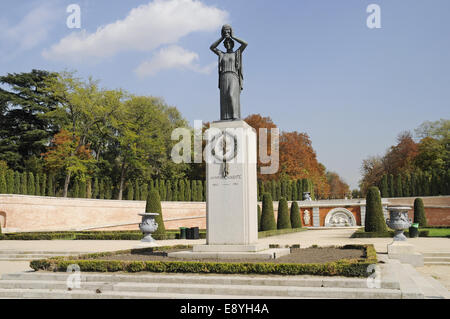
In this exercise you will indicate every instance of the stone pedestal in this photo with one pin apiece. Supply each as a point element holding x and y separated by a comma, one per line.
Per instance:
<point>231,213</point>
<point>405,253</point>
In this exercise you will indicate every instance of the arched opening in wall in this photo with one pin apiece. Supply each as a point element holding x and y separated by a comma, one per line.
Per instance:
<point>340,217</point>
<point>3,219</point>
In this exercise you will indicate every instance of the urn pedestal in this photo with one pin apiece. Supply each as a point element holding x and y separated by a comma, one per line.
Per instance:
<point>400,249</point>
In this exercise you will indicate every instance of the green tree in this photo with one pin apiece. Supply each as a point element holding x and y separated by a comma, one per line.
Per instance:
<point>295,216</point>
<point>419,213</point>
<point>50,188</point>
<point>130,191</point>
<point>300,189</point>
<point>10,181</point>
<point>17,183</point>
<point>101,189</point>
<point>162,190</point>
<point>200,191</point>
<point>305,187</point>
<point>24,183</point>
<point>31,184</point>
<point>137,190</point>
<point>187,191</point>
<point>181,190</point>
<point>259,217</point>
<point>38,185</point>
<point>384,186</point>
<point>391,185</point>
<point>153,205</point>
<point>3,186</point>
<point>95,189</point>
<point>294,191</point>
<point>374,221</point>
<point>144,191</point>
<point>398,186</point>
<point>267,215</point>
<point>44,185</point>
<point>169,193</point>
<point>283,220</point>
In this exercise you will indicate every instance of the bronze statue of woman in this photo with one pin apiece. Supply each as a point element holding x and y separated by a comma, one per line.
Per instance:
<point>230,74</point>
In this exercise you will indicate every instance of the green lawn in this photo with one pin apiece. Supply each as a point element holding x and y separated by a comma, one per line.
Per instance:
<point>437,232</point>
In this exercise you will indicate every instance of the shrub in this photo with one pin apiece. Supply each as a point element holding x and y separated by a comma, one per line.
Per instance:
<point>295,216</point>
<point>259,217</point>
<point>419,213</point>
<point>153,205</point>
<point>374,221</point>
<point>3,186</point>
<point>283,220</point>
<point>267,216</point>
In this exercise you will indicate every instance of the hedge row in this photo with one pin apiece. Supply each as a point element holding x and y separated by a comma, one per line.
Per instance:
<point>347,268</point>
<point>277,232</point>
<point>99,235</point>
<point>362,234</point>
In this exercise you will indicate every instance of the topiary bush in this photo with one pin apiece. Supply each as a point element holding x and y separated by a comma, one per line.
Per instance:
<point>283,220</point>
<point>153,205</point>
<point>267,216</point>
<point>419,213</point>
<point>295,216</point>
<point>374,221</point>
<point>259,218</point>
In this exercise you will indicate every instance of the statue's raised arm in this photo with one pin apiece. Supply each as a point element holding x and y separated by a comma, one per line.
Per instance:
<point>230,74</point>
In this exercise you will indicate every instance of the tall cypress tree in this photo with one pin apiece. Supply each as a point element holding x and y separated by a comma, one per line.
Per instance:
<point>412,185</point>
<point>162,190</point>
<point>31,184</point>
<point>398,186</point>
<point>374,221</point>
<point>384,186</point>
<point>294,191</point>
<point>187,191</point>
<point>3,186</point>
<point>153,205</point>
<point>38,185</point>
<point>144,191</point>
<point>299,189</point>
<point>259,217</point>
<point>95,189</point>
<point>278,190</point>
<point>23,184</point>
<point>101,189</point>
<point>17,183</point>
<point>44,185</point>
<point>273,192</point>
<point>181,190</point>
<point>295,216</point>
<point>288,190</point>
<point>283,220</point>
<point>406,185</point>
<point>267,215</point>
<point>391,185</point>
<point>169,190</point>
<point>419,213</point>
<point>10,181</point>
<point>82,189</point>
<point>137,190</point>
<point>305,186</point>
<point>50,189</point>
<point>130,191</point>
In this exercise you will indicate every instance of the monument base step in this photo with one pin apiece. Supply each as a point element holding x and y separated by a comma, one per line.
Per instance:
<point>272,253</point>
<point>230,248</point>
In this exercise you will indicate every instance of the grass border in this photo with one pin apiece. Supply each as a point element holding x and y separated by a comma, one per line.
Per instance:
<point>344,267</point>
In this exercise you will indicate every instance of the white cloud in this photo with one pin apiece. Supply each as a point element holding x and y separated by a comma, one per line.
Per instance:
<point>144,29</point>
<point>172,57</point>
<point>29,32</point>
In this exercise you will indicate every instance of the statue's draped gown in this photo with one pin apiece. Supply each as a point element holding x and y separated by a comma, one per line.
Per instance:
<point>229,85</point>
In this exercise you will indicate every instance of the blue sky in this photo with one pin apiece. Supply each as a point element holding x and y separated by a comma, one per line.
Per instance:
<point>311,65</point>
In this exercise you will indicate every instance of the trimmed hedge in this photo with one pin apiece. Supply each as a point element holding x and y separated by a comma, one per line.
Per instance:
<point>277,232</point>
<point>295,216</point>
<point>348,268</point>
<point>267,216</point>
<point>390,233</point>
<point>283,220</point>
<point>419,213</point>
<point>374,220</point>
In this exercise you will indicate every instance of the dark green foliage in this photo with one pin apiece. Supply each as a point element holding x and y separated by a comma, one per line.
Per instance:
<point>101,189</point>
<point>82,189</point>
<point>294,191</point>
<point>200,191</point>
<point>76,189</point>
<point>44,185</point>
<point>398,190</point>
<point>278,193</point>
<point>295,216</point>
<point>181,190</point>
<point>130,191</point>
<point>31,184</point>
<point>38,185</point>
<point>407,185</point>
<point>23,184</point>
<point>374,221</point>
<point>299,189</point>
<point>108,189</point>
<point>144,192</point>
<point>384,186</point>
<point>95,189</point>
<point>3,186</point>
<point>175,194</point>
<point>17,183</point>
<point>10,182</point>
<point>419,213</point>
<point>137,190</point>
<point>187,191</point>
<point>283,220</point>
<point>50,189</point>
<point>267,215</point>
<point>169,193</point>
<point>153,205</point>
<point>162,190</point>
<point>305,187</point>
<point>391,185</point>
<point>259,217</point>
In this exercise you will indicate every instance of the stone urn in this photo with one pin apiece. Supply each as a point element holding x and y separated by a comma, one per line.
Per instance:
<point>399,221</point>
<point>307,196</point>
<point>148,226</point>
